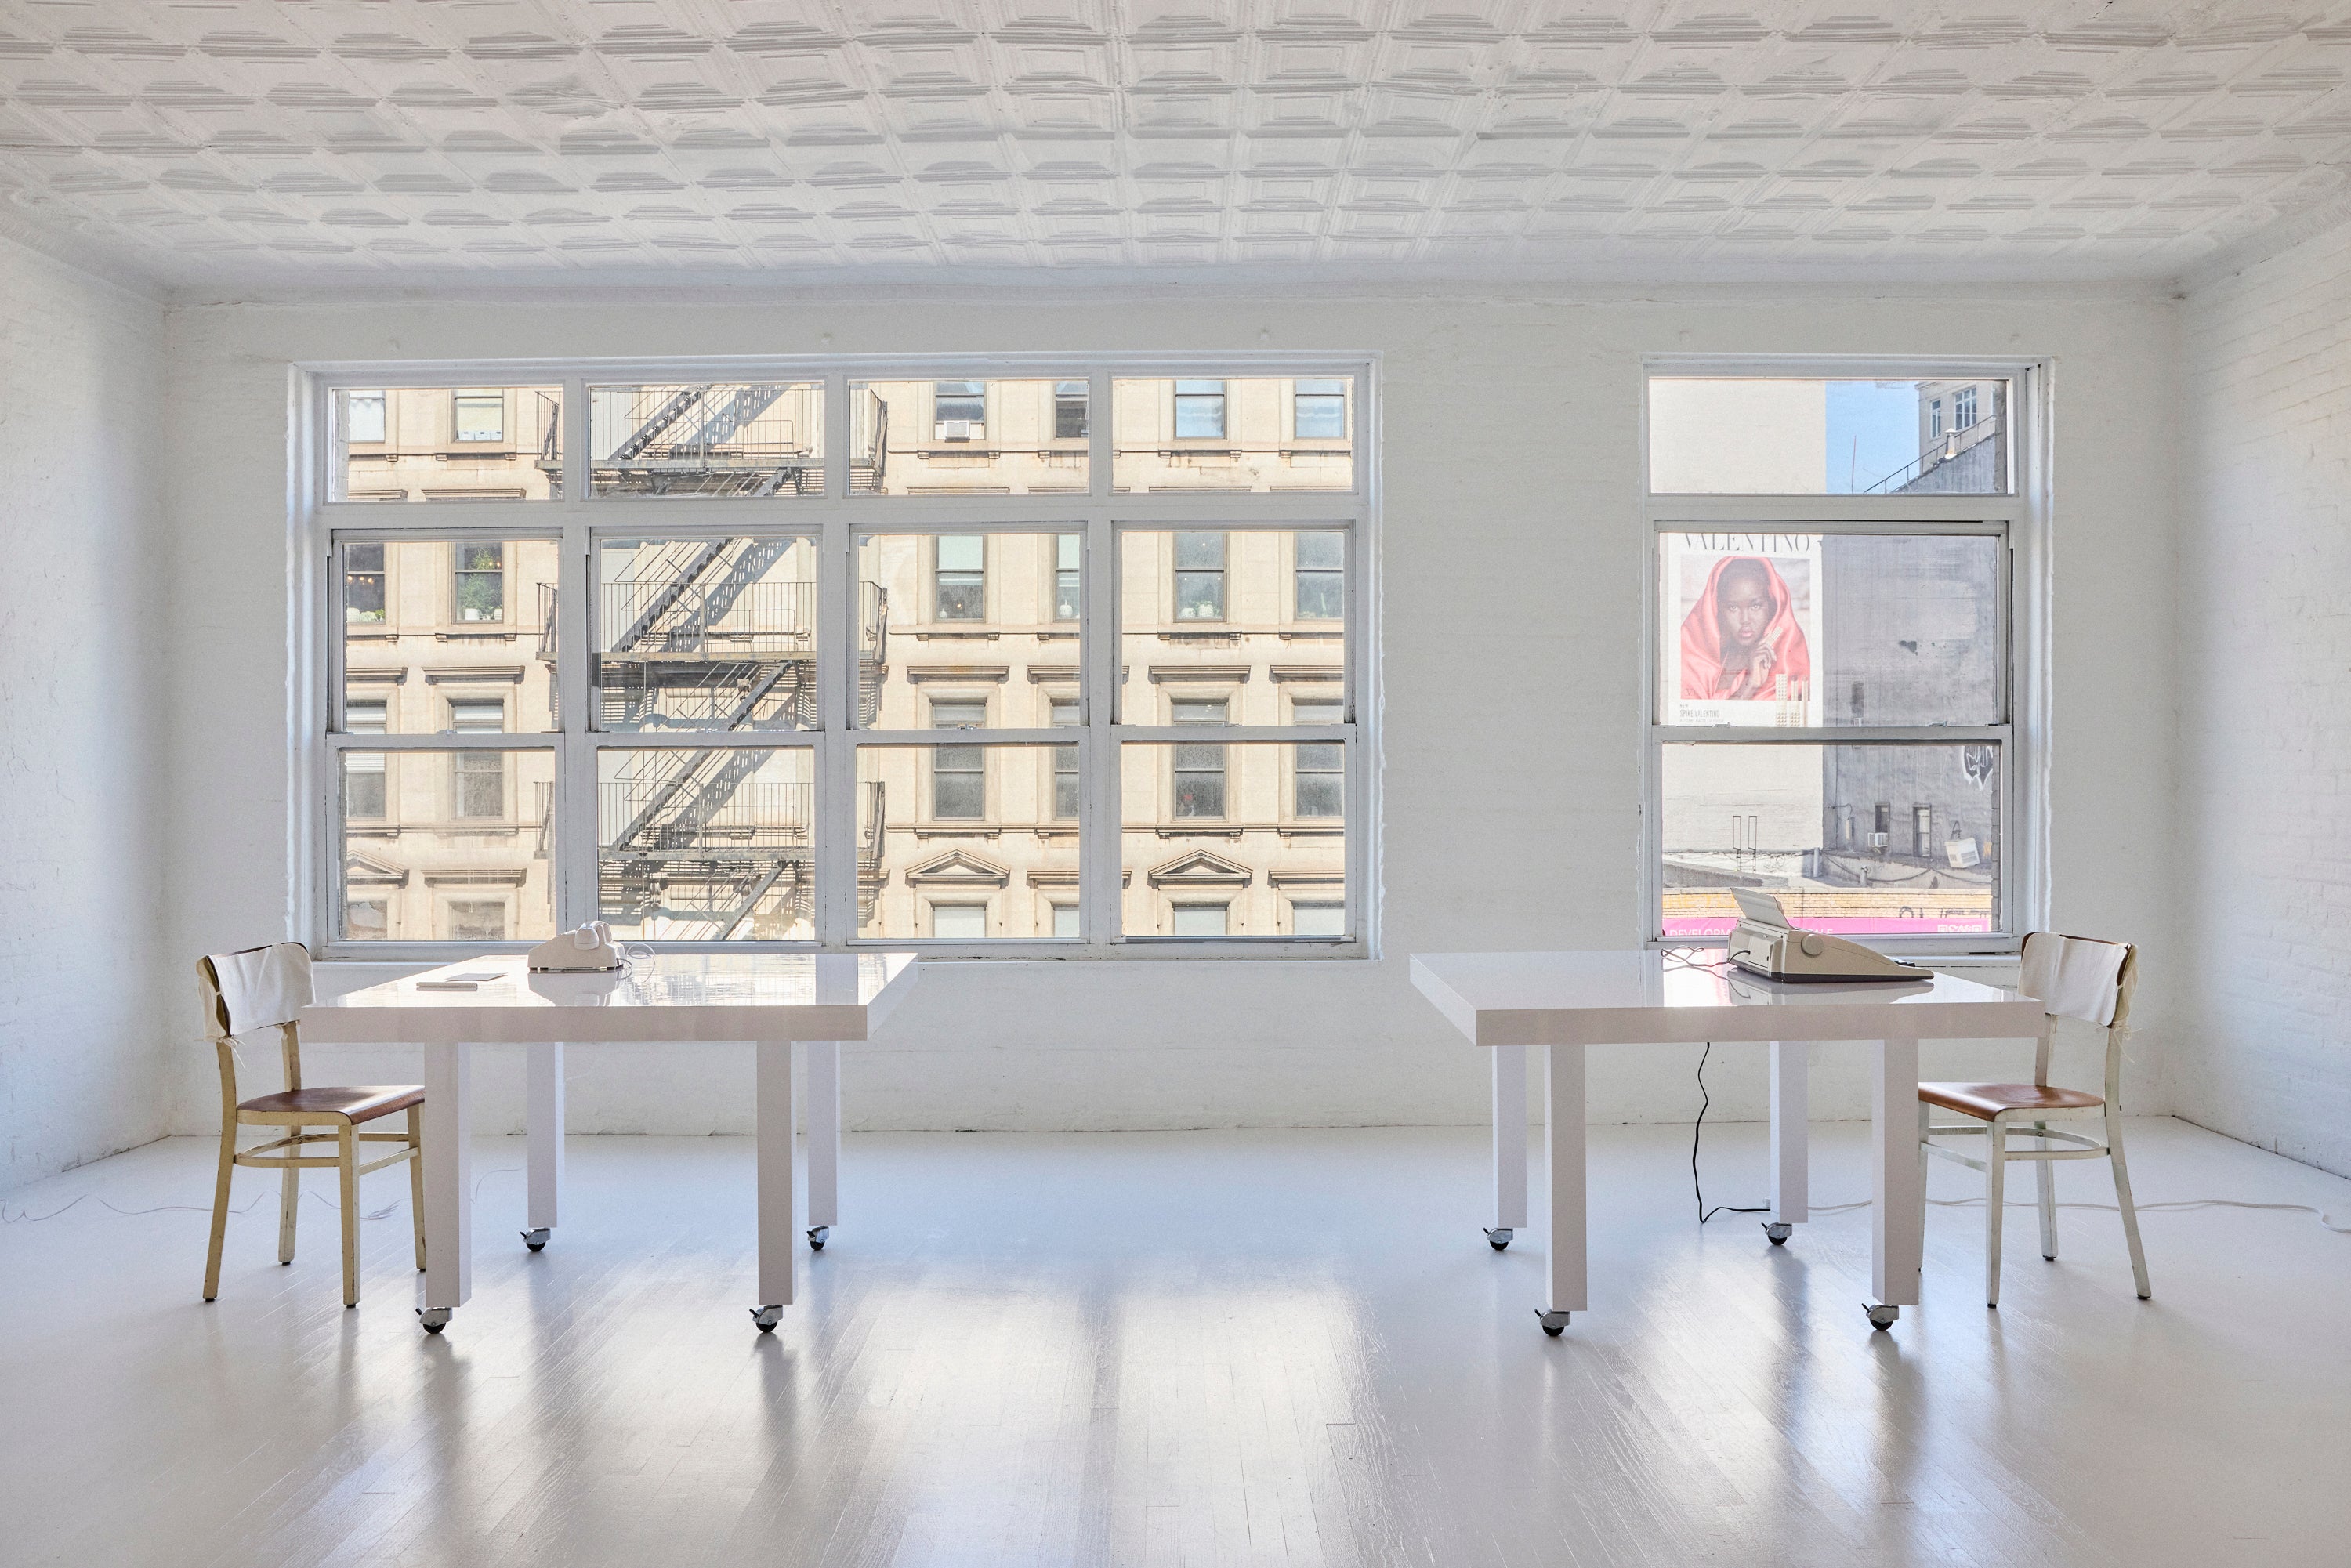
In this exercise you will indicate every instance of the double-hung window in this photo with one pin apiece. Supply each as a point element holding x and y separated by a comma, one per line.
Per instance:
<point>1838,574</point>
<point>479,414</point>
<point>976,656</point>
<point>1199,411</point>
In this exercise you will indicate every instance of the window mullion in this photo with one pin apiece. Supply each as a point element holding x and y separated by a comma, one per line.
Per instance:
<point>839,674</point>
<point>1100,844</point>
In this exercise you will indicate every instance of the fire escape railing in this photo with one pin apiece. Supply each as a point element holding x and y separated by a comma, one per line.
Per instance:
<point>1949,446</point>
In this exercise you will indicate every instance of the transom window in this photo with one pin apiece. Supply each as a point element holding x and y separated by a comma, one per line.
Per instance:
<point>1068,658</point>
<point>1836,679</point>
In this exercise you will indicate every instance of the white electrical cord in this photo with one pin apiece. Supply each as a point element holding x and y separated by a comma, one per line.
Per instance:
<point>24,1217</point>
<point>2323,1217</point>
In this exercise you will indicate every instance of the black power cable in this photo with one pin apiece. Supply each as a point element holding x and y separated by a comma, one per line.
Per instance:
<point>1704,1213</point>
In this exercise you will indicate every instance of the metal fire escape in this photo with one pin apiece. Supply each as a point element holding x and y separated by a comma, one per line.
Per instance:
<point>698,638</point>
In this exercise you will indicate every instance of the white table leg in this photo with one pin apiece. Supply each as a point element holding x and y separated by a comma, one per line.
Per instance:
<point>449,1182</point>
<point>1897,1187</point>
<point>1563,1113</point>
<point>543,1120</point>
<point>1790,1140</point>
<point>823,1060</point>
<point>777,1258</point>
<point>1510,1145</point>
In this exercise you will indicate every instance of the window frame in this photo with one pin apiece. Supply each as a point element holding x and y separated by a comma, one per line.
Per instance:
<point>835,521</point>
<point>2020,520</point>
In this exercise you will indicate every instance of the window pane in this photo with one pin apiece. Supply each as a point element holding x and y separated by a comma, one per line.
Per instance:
<point>959,921</point>
<point>1322,576</point>
<point>1215,614</point>
<point>476,717</point>
<point>961,579</point>
<point>1066,786</point>
<point>960,409</point>
<point>363,580</point>
<point>429,624</point>
<point>706,845</point>
<point>705,634</point>
<point>476,919</point>
<point>365,410</point>
<point>433,845</point>
<point>1252,852</point>
<point>1065,921</point>
<point>1261,432</point>
<point>446,443</point>
<point>1198,920</point>
<point>963,616</point>
<point>1000,845</point>
<point>478,785</point>
<point>713,439</point>
<point>1321,410</point>
<point>479,590</point>
<point>480,414</point>
<point>1068,552</point>
<point>1069,410</point>
<point>1321,777</point>
<point>1761,436</point>
<point>1860,838</point>
<point>967,438</point>
<point>1318,919</point>
<point>1199,411</point>
<point>1827,629</point>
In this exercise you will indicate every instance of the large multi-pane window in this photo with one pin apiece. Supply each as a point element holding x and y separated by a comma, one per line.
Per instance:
<point>1066,658</point>
<point>1835,660</point>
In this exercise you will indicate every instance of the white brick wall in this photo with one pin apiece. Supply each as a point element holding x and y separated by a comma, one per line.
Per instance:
<point>2263,848</point>
<point>82,1057</point>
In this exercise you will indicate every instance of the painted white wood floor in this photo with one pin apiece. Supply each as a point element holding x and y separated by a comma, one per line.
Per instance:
<point>1183,1348</point>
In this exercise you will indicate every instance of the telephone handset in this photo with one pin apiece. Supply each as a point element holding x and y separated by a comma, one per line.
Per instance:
<point>587,950</point>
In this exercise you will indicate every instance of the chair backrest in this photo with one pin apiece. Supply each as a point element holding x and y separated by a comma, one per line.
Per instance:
<point>2085,978</point>
<point>259,987</point>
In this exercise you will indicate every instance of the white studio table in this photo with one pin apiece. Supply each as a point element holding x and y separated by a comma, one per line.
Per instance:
<point>771,1000</point>
<point>1567,1001</point>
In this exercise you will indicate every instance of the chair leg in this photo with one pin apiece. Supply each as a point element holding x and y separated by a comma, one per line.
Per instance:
<point>289,1200</point>
<point>2045,1181</point>
<point>1925,1164</point>
<point>1995,1204</point>
<point>416,1178</point>
<point>2123,1199</point>
<point>220,1207</point>
<point>345,1156</point>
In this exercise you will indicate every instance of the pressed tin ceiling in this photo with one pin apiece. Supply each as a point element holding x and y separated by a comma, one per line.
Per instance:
<point>312,141</point>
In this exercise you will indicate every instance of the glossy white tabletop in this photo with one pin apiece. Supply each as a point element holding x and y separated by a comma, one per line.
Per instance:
<point>675,997</point>
<point>1636,998</point>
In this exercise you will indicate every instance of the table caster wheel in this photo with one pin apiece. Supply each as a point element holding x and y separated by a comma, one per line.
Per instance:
<point>1553,1322</point>
<point>434,1319</point>
<point>1777,1232</point>
<point>767,1317</point>
<point>818,1235</point>
<point>537,1239</point>
<point>1499,1236</point>
<point>1882,1318</point>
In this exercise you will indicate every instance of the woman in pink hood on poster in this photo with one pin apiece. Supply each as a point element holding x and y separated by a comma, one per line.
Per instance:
<point>1741,636</point>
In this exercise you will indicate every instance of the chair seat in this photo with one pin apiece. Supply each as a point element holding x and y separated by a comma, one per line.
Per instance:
<point>1985,1101</point>
<point>343,1103</point>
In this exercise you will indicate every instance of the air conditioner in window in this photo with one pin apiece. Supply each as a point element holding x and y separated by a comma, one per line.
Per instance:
<point>961,430</point>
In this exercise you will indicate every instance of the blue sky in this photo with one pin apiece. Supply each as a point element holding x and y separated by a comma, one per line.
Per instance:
<point>1873,431</point>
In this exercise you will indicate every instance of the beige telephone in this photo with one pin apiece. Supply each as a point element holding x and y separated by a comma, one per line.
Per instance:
<point>588,949</point>
<point>1765,944</point>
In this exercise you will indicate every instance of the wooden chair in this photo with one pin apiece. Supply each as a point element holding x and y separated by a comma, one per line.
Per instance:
<point>2076,978</point>
<point>267,987</point>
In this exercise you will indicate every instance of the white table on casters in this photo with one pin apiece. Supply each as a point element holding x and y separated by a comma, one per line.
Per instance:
<point>770,999</point>
<point>1566,1001</point>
